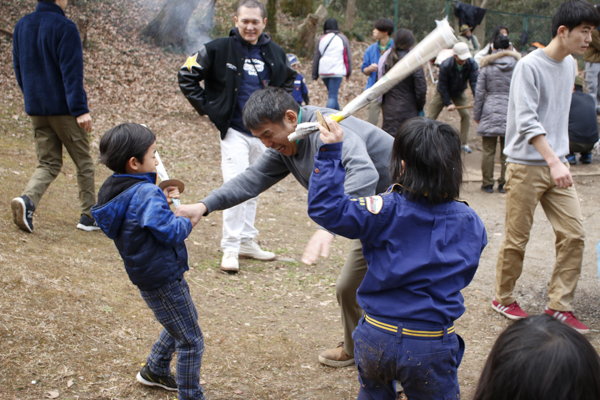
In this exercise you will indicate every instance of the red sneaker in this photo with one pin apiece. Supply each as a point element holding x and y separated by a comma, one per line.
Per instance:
<point>512,311</point>
<point>568,318</point>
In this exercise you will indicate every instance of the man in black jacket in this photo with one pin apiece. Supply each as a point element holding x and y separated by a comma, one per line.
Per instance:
<point>455,72</point>
<point>232,69</point>
<point>583,124</point>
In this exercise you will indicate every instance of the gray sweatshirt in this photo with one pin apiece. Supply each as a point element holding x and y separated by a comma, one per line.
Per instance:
<point>539,103</point>
<point>365,155</point>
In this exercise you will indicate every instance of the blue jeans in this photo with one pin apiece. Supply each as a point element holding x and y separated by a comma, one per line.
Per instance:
<point>333,87</point>
<point>426,366</point>
<point>173,307</point>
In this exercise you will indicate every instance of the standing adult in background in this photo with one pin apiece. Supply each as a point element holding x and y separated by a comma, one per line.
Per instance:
<point>48,62</point>
<point>382,34</point>
<point>537,171</point>
<point>583,125</point>
<point>491,106</point>
<point>592,66</point>
<point>332,61</point>
<point>232,69</point>
<point>489,48</point>
<point>466,36</point>
<point>407,98</point>
<point>454,74</point>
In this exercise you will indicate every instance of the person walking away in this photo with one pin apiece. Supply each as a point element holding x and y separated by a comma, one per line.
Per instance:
<point>48,63</point>
<point>300,93</point>
<point>233,68</point>
<point>591,56</point>
<point>382,33</point>
<point>455,73</point>
<point>537,171</point>
<point>490,108</point>
<point>407,98</point>
<point>332,61</point>
<point>583,125</point>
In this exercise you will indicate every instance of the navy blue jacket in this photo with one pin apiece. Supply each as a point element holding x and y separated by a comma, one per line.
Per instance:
<point>452,82</point>
<point>420,256</point>
<point>134,212</point>
<point>48,62</point>
<point>583,125</point>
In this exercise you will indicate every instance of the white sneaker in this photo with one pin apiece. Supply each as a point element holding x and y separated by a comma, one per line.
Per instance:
<point>251,249</point>
<point>230,263</point>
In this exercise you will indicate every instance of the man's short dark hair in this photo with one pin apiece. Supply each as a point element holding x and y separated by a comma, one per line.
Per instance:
<point>122,142</point>
<point>252,4</point>
<point>268,105</point>
<point>540,358</point>
<point>432,159</point>
<point>384,25</point>
<point>574,13</point>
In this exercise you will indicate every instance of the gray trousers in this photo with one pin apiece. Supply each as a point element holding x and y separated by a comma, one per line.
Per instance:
<point>592,74</point>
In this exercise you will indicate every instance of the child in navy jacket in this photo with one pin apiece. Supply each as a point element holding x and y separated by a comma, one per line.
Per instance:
<point>135,213</point>
<point>422,248</point>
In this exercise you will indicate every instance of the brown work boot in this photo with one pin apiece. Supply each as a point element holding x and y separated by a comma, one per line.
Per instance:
<point>336,357</point>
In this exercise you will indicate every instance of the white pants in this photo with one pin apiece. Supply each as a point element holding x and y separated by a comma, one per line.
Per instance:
<point>592,72</point>
<point>238,152</point>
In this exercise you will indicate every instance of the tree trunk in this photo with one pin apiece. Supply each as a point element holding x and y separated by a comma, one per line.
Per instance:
<point>350,8</point>
<point>304,42</point>
<point>302,7</point>
<point>168,28</point>
<point>271,17</point>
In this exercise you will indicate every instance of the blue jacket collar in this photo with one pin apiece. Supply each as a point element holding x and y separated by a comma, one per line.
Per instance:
<point>147,176</point>
<point>44,6</point>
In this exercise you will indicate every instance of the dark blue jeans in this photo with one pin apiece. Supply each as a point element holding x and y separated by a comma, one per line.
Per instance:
<point>426,367</point>
<point>333,87</point>
<point>173,307</point>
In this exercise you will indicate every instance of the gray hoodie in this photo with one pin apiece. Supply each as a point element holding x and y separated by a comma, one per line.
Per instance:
<point>539,103</point>
<point>365,155</point>
<point>491,96</point>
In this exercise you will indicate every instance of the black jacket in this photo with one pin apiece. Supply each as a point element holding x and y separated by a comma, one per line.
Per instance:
<point>219,64</point>
<point>453,82</point>
<point>583,125</point>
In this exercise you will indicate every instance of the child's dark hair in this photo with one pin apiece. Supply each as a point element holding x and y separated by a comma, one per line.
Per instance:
<point>432,160</point>
<point>540,358</point>
<point>122,142</point>
<point>574,13</point>
<point>501,42</point>
<point>384,25</point>
<point>495,34</point>
<point>330,24</point>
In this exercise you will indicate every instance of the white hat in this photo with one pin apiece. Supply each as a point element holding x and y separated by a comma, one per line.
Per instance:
<point>461,50</point>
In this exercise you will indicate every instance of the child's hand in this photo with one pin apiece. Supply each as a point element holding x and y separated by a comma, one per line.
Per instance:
<point>335,133</point>
<point>171,192</point>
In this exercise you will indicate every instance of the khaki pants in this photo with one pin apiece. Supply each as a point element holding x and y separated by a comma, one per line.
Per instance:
<point>350,278</point>
<point>373,112</point>
<point>436,106</point>
<point>51,133</point>
<point>526,186</point>
<point>488,160</point>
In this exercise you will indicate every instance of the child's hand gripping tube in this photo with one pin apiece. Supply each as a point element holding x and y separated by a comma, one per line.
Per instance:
<point>308,128</point>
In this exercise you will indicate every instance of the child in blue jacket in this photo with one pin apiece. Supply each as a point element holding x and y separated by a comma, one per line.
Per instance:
<point>300,92</point>
<point>422,248</point>
<point>135,213</point>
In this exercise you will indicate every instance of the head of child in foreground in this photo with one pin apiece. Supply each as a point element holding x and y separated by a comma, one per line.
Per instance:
<point>426,160</point>
<point>572,24</point>
<point>129,149</point>
<point>540,358</point>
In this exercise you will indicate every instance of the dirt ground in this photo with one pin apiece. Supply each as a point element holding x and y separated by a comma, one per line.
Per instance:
<point>72,326</point>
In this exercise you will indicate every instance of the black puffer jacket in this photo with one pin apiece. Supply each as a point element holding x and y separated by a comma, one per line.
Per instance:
<point>405,100</point>
<point>491,96</point>
<point>453,82</point>
<point>219,64</point>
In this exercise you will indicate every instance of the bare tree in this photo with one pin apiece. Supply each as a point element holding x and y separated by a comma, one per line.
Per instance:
<point>168,28</point>
<point>350,9</point>
<point>271,17</point>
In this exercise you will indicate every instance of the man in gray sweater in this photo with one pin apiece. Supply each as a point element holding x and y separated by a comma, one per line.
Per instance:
<point>537,142</point>
<point>272,114</point>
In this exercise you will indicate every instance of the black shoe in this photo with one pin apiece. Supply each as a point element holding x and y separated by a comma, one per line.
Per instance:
<point>87,224</point>
<point>22,209</point>
<point>501,188</point>
<point>585,158</point>
<point>488,188</point>
<point>149,378</point>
